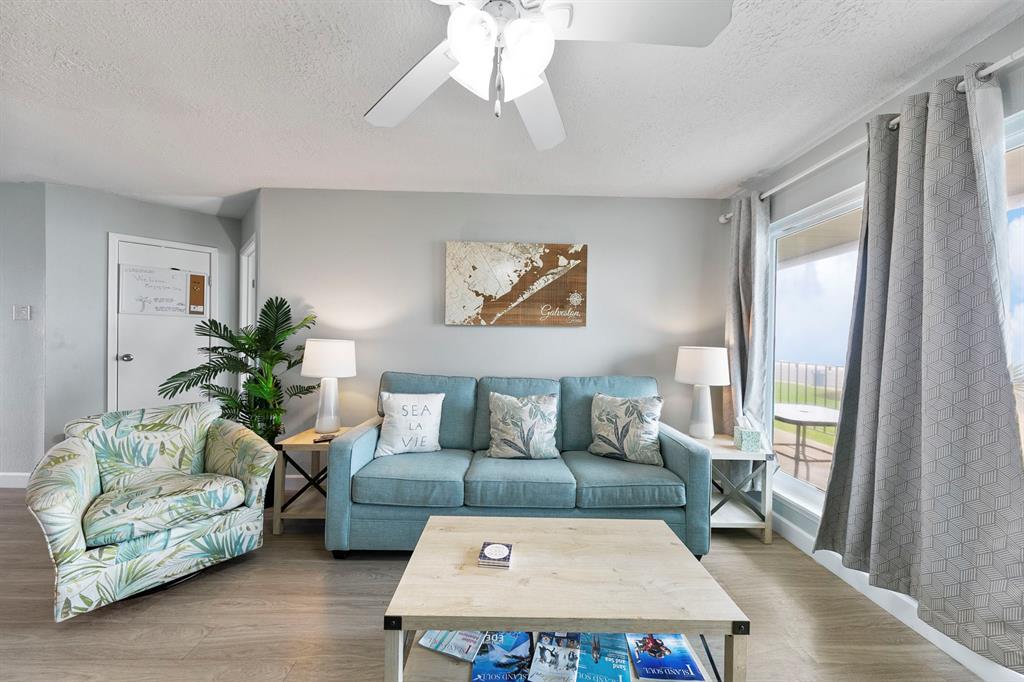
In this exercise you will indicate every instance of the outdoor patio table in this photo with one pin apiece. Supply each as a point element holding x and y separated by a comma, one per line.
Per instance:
<point>803,416</point>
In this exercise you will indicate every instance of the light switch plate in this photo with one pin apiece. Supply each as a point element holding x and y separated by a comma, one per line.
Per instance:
<point>21,313</point>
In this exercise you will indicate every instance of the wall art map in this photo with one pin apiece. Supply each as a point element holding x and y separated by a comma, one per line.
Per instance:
<point>515,283</point>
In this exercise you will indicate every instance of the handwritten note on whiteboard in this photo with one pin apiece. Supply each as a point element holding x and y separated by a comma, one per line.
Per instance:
<point>148,290</point>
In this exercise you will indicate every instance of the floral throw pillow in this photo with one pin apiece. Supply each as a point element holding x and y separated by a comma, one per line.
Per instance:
<point>523,428</point>
<point>627,428</point>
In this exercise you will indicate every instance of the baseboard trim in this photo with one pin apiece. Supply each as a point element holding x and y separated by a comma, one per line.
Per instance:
<point>13,480</point>
<point>899,605</point>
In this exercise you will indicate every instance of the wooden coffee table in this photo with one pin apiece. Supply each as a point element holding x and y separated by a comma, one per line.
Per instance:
<point>575,575</point>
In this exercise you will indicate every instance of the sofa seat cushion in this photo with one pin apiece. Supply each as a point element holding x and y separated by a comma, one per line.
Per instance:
<point>156,500</point>
<point>413,479</point>
<point>607,483</point>
<point>521,483</point>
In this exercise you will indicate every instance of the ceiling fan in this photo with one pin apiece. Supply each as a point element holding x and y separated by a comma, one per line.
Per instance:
<point>500,48</point>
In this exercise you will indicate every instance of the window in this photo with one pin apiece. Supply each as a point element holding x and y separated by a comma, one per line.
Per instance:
<point>815,275</point>
<point>1015,219</point>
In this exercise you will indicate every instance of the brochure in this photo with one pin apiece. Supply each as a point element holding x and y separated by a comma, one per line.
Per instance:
<point>603,658</point>
<point>462,644</point>
<point>663,657</point>
<point>503,657</point>
<point>556,658</point>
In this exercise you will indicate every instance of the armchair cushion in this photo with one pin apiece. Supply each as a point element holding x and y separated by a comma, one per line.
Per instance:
<point>130,442</point>
<point>156,501</point>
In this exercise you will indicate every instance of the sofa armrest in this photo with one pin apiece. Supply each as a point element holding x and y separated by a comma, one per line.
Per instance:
<point>234,450</point>
<point>60,489</point>
<point>691,461</point>
<point>349,453</point>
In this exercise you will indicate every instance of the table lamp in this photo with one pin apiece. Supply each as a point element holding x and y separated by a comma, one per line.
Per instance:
<point>328,359</point>
<point>703,367</point>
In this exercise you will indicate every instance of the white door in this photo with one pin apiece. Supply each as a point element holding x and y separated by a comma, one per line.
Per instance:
<point>159,291</point>
<point>247,283</point>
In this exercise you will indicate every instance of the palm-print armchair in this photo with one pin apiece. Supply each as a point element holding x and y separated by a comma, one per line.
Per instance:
<point>132,500</point>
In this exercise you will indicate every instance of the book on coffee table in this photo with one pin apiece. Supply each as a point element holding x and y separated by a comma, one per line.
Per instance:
<point>462,644</point>
<point>603,657</point>
<point>659,657</point>
<point>556,658</point>
<point>503,657</point>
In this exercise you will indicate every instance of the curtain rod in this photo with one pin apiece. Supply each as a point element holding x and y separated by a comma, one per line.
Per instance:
<point>893,124</point>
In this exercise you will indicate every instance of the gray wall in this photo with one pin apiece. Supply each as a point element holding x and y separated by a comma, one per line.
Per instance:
<point>22,281</point>
<point>371,264</point>
<point>77,223</point>
<point>849,171</point>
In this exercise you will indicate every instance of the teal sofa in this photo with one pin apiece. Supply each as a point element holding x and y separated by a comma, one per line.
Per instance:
<point>384,503</point>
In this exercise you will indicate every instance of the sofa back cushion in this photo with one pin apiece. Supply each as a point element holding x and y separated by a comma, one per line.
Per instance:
<point>130,441</point>
<point>578,395</point>
<point>457,410</point>
<point>518,387</point>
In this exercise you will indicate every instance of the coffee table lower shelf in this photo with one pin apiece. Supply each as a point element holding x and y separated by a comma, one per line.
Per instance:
<point>405,661</point>
<point>424,665</point>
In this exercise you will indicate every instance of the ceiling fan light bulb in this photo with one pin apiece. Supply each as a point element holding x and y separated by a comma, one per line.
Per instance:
<point>472,34</point>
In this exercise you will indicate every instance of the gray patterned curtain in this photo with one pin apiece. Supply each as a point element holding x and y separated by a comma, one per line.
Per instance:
<point>745,333</point>
<point>926,488</point>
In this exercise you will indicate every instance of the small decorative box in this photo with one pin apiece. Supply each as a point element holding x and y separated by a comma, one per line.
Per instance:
<point>747,440</point>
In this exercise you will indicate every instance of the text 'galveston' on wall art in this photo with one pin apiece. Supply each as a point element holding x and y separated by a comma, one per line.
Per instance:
<point>516,283</point>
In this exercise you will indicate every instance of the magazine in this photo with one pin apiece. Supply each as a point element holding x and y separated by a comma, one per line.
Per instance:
<point>503,657</point>
<point>603,658</point>
<point>462,644</point>
<point>663,657</point>
<point>556,657</point>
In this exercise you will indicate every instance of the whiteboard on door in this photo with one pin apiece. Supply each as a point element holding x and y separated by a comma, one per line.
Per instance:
<point>150,290</point>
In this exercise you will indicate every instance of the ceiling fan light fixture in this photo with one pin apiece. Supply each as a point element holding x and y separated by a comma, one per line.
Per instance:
<point>529,45</point>
<point>474,78</point>
<point>472,35</point>
<point>516,82</point>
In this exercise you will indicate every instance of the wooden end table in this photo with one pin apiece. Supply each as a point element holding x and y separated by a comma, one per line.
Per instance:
<point>576,575</point>
<point>730,507</point>
<point>310,502</point>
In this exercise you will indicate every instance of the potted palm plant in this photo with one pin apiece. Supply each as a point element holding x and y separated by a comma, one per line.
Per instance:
<point>257,354</point>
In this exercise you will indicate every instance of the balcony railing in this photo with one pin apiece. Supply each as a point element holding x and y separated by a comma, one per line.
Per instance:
<point>804,383</point>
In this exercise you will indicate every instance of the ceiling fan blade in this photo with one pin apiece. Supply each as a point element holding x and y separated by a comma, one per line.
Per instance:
<point>413,88</point>
<point>685,23</point>
<point>540,116</point>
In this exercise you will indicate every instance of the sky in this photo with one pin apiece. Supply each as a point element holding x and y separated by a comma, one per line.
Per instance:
<point>1016,219</point>
<point>814,301</point>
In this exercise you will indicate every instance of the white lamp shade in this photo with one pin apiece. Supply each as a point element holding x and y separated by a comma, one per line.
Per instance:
<point>329,358</point>
<point>702,365</point>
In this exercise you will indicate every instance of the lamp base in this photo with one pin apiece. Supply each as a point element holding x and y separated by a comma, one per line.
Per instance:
<point>327,418</point>
<point>702,421</point>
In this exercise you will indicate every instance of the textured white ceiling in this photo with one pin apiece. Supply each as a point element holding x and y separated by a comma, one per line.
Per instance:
<point>191,102</point>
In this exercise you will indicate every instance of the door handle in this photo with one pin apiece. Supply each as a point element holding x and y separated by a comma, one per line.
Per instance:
<point>127,357</point>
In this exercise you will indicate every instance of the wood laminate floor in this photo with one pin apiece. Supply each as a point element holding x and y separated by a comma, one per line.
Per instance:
<point>289,611</point>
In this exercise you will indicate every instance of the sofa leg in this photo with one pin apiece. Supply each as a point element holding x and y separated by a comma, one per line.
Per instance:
<point>339,554</point>
<point>699,556</point>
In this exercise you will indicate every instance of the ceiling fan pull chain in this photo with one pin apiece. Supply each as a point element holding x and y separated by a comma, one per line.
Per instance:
<point>499,86</point>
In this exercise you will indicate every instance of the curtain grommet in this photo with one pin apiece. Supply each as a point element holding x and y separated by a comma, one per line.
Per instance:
<point>979,77</point>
